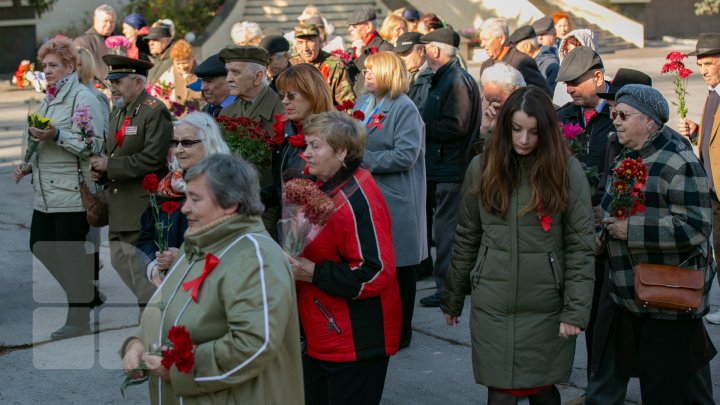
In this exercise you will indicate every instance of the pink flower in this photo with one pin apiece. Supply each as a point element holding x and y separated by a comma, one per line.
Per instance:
<point>117,41</point>
<point>571,131</point>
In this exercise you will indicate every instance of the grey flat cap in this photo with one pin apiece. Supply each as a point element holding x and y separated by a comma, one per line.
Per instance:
<point>362,15</point>
<point>577,62</point>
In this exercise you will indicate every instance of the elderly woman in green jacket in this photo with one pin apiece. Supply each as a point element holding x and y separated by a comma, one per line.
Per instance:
<point>524,250</point>
<point>232,290</point>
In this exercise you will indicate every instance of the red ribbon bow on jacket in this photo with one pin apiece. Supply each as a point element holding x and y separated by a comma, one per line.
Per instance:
<point>120,134</point>
<point>375,121</point>
<point>210,262</point>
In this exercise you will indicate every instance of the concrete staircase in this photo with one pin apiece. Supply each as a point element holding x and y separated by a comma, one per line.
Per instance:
<point>607,42</point>
<point>282,14</point>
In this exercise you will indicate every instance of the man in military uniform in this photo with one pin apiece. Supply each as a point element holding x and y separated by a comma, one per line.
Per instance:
<point>141,129</point>
<point>362,25</point>
<point>212,85</point>
<point>159,41</point>
<point>332,68</point>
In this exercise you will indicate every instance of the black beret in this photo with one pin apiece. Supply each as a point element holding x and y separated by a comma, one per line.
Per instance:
<point>121,66</point>
<point>521,34</point>
<point>246,53</point>
<point>577,62</point>
<point>442,35</point>
<point>274,44</point>
<point>361,15</point>
<point>406,41</point>
<point>543,25</point>
<point>210,67</point>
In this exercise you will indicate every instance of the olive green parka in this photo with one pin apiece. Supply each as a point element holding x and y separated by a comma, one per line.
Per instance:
<point>523,281</point>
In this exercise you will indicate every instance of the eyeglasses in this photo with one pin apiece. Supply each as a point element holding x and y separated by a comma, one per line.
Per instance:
<point>366,72</point>
<point>623,115</point>
<point>290,96</point>
<point>186,143</point>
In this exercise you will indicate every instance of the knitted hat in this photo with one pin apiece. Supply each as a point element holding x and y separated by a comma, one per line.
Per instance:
<point>135,20</point>
<point>645,99</point>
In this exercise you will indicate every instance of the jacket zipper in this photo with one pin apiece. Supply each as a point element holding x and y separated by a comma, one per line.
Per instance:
<point>328,316</point>
<point>551,258</point>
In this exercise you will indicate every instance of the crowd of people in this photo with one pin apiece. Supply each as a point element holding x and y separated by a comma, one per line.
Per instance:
<point>410,151</point>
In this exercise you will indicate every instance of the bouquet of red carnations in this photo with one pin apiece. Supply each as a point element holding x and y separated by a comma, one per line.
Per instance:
<point>675,65</point>
<point>628,181</point>
<point>246,138</point>
<point>306,209</point>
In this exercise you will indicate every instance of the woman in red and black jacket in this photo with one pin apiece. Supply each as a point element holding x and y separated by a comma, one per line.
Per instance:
<point>347,288</point>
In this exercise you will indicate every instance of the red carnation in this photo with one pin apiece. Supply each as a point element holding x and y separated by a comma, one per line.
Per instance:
<point>150,183</point>
<point>169,207</point>
<point>358,115</point>
<point>181,351</point>
<point>684,72</point>
<point>676,56</point>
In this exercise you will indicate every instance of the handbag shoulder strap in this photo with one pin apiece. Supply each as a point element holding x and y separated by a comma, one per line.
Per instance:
<point>697,251</point>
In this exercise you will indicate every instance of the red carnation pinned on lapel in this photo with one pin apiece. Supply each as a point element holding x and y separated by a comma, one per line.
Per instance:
<point>375,121</point>
<point>210,262</point>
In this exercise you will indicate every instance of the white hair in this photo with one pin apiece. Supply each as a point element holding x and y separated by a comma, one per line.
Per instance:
<point>445,49</point>
<point>245,31</point>
<point>534,44</point>
<point>503,75</point>
<point>142,78</point>
<point>495,27</point>
<point>104,9</point>
<point>254,68</point>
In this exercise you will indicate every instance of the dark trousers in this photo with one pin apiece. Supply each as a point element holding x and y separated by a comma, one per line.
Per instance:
<point>406,283</point>
<point>443,203</point>
<point>350,383</point>
<point>662,363</point>
<point>58,241</point>
<point>590,330</point>
<point>716,228</point>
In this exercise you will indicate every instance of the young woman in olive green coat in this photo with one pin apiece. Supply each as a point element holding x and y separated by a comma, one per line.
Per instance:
<point>524,250</point>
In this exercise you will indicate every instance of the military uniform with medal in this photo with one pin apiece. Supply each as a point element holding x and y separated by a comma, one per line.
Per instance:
<point>138,140</point>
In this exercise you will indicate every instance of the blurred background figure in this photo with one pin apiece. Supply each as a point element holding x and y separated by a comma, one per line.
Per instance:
<point>246,33</point>
<point>428,23</point>
<point>212,85</point>
<point>545,30</point>
<point>93,39</point>
<point>159,42</point>
<point>392,27</point>
<point>526,41</point>
<point>563,25</point>
<point>279,50</point>
<point>412,17</point>
<point>180,75</point>
<point>135,28</point>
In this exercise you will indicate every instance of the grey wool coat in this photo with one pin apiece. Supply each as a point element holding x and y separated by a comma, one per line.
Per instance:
<point>523,281</point>
<point>395,155</point>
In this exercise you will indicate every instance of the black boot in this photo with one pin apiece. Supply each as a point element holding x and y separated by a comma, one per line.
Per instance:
<point>550,396</point>
<point>77,324</point>
<point>496,397</point>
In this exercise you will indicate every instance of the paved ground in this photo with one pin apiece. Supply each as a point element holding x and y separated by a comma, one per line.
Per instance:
<point>435,369</point>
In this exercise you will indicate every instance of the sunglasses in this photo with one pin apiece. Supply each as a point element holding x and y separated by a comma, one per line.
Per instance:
<point>622,114</point>
<point>290,96</point>
<point>186,143</point>
<point>366,72</point>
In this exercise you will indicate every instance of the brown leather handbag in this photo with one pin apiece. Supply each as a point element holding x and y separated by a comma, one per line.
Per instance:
<point>97,212</point>
<point>669,287</point>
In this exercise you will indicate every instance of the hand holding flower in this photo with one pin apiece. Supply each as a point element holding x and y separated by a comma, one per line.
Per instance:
<point>46,134</point>
<point>99,163</point>
<point>131,361</point>
<point>154,365</point>
<point>21,171</point>
<point>302,268</point>
<point>165,258</point>
<point>617,228</point>
<point>686,127</point>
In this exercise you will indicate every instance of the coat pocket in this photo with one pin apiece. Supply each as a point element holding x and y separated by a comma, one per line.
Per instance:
<point>331,325</point>
<point>475,274</point>
<point>557,272</point>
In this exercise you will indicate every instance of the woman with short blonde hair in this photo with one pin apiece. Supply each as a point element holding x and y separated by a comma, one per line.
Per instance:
<point>395,155</point>
<point>392,27</point>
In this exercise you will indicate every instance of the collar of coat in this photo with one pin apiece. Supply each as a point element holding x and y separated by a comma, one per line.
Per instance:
<point>214,236</point>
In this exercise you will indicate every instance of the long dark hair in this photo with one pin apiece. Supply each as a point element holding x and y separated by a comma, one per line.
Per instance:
<point>548,169</point>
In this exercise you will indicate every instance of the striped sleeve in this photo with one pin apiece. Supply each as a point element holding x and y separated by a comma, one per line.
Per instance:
<point>367,268</point>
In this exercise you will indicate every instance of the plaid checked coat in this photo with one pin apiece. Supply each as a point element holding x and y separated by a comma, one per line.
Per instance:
<point>676,223</point>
